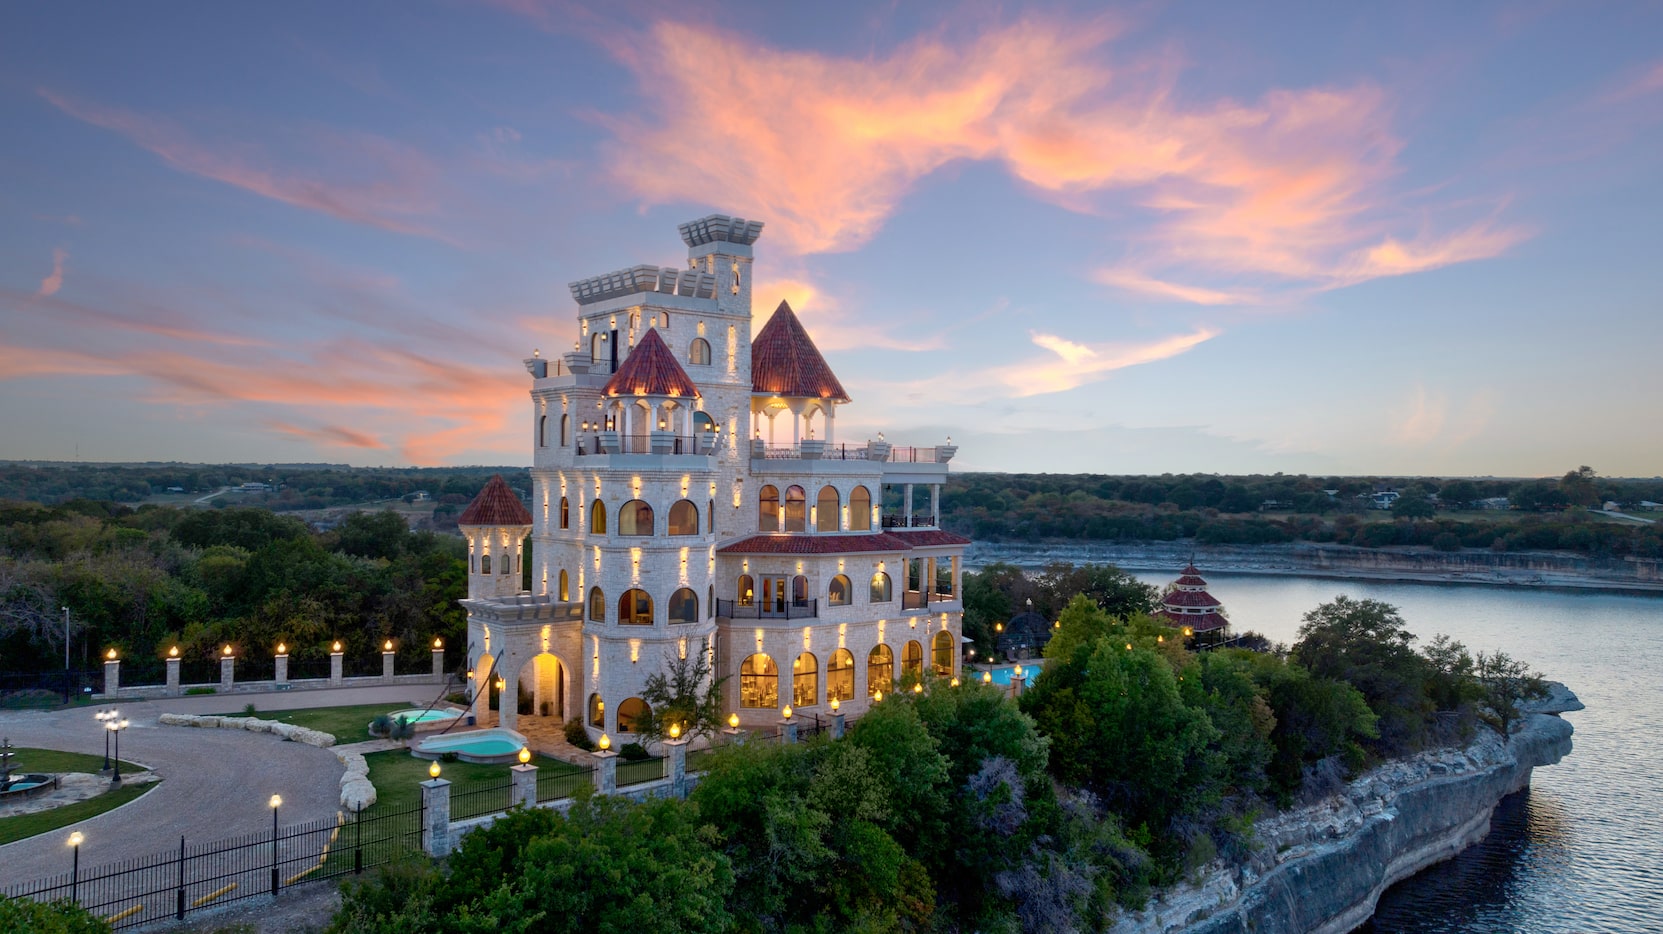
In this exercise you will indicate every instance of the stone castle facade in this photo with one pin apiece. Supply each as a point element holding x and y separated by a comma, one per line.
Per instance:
<point>689,494</point>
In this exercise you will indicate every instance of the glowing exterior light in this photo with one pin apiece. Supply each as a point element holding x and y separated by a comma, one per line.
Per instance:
<point>675,731</point>
<point>438,643</point>
<point>75,838</point>
<point>501,684</point>
<point>282,649</point>
<point>433,769</point>
<point>173,652</point>
<point>877,697</point>
<point>336,647</point>
<point>998,627</point>
<point>834,705</point>
<point>987,677</point>
<point>110,655</point>
<point>605,742</point>
<point>1017,672</point>
<point>1128,646</point>
<point>387,646</point>
<point>277,800</point>
<point>227,650</point>
<point>525,754</point>
<point>786,713</point>
<point>733,721</point>
<point>953,683</point>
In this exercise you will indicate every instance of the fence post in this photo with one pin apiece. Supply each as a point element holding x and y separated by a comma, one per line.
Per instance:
<point>227,673</point>
<point>788,731</point>
<point>436,817</point>
<point>523,786</point>
<point>677,765</point>
<point>335,666</point>
<point>387,665</point>
<point>606,771</point>
<point>358,842</point>
<point>173,675</point>
<point>179,911</point>
<point>1018,682</point>
<point>837,725</point>
<point>112,676</point>
<point>438,661</point>
<point>282,672</point>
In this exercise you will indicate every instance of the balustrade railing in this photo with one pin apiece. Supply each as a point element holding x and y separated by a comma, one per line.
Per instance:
<point>913,521</point>
<point>776,609</point>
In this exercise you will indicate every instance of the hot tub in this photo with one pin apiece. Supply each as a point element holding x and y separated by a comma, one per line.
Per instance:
<point>490,746</point>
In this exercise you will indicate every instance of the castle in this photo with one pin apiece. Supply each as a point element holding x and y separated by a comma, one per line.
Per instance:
<point>689,494</point>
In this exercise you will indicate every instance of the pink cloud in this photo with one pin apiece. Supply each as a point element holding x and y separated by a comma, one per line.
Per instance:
<point>329,435</point>
<point>50,285</point>
<point>1075,364</point>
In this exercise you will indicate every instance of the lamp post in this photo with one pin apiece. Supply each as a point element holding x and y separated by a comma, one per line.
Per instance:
<point>275,802</point>
<point>104,717</point>
<point>75,864</point>
<point>66,654</point>
<point>116,726</point>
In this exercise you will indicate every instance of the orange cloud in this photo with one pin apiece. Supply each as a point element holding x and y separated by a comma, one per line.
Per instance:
<point>394,186</point>
<point>330,435</point>
<point>827,319</point>
<point>1289,190</point>
<point>1077,364</point>
<point>50,285</point>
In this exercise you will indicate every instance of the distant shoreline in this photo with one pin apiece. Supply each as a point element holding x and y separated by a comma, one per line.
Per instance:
<point>1510,570</point>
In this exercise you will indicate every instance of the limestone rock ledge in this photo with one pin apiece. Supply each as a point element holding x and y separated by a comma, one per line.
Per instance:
<point>1321,869</point>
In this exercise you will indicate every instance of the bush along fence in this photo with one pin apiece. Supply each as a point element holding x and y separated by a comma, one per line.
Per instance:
<point>197,677</point>
<point>170,885</point>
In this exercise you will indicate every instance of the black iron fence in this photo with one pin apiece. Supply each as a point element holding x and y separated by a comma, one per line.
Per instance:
<point>171,884</point>
<point>640,770</point>
<point>903,522</point>
<point>477,799</point>
<point>552,785</point>
<point>48,688</point>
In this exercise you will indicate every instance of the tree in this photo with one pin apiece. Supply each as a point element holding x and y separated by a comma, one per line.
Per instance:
<point>1577,486</point>
<point>686,693</point>
<point>373,534</point>
<point>1458,494</point>
<point>1507,682</point>
<point>1364,643</point>
<point>61,917</point>
<point>1414,504</point>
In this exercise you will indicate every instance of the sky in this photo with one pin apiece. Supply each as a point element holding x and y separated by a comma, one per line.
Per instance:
<point>1414,238</point>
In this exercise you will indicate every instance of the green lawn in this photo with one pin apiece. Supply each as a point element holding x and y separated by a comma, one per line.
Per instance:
<point>346,724</point>
<point>17,828</point>
<point>397,777</point>
<point>25,759</point>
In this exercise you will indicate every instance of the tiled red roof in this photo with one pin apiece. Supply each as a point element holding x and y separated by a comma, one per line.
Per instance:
<point>785,362</point>
<point>1190,570</point>
<point>1190,598</point>
<point>1197,622</point>
<point>496,505</point>
<point>814,544</point>
<point>651,370</point>
<point>927,538</point>
<point>1190,580</point>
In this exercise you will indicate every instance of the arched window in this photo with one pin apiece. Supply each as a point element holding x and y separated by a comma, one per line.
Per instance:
<point>597,518</point>
<point>941,654</point>
<point>505,565</point>
<point>473,563</point>
<point>826,509</point>
<point>880,669</point>
<point>484,564</point>
<point>759,683</point>
<point>597,348</point>
<point>633,714</point>
<point>565,430</point>
<point>881,588</point>
<point>635,608</point>
<point>840,676</point>
<point>747,590</point>
<point>799,591</point>
<point>912,659</point>
<point>542,431</point>
<point>840,593</point>
<point>860,510</point>
<point>635,518</point>
<point>699,353</point>
<point>565,591</point>
<point>597,605</point>
<point>768,509</point>
<point>684,518</point>
<point>796,507</point>
<point>704,431</point>
<point>684,606</point>
<point>597,711</point>
<point>805,681</point>
<point>565,513</point>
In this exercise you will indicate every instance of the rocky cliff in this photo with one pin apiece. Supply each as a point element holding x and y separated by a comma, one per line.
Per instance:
<point>1321,869</point>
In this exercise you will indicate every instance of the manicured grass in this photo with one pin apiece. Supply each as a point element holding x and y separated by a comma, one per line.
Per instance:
<point>346,724</point>
<point>23,826</point>
<point>397,777</point>
<point>26,759</point>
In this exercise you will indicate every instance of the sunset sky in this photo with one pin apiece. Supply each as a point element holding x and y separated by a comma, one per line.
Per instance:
<point>1218,237</point>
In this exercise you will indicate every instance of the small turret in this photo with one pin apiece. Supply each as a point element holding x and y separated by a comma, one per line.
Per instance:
<point>495,525</point>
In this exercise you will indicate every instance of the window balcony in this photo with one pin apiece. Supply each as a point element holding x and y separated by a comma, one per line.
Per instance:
<point>905,522</point>
<point>764,609</point>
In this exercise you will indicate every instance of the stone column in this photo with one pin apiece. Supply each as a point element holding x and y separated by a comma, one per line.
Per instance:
<point>788,731</point>
<point>606,772</point>
<point>906,507</point>
<point>837,725</point>
<point>508,702</point>
<point>173,675</point>
<point>387,665</point>
<point>523,790</point>
<point>439,663</point>
<point>436,817</point>
<point>676,751</point>
<point>335,668</point>
<point>1018,682</point>
<point>735,735</point>
<point>282,668</point>
<point>112,677</point>
<point>935,505</point>
<point>227,672</point>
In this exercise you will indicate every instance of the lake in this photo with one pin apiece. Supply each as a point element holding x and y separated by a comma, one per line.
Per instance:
<point>1582,849</point>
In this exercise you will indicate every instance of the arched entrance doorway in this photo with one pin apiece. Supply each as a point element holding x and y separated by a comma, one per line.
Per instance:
<point>542,687</point>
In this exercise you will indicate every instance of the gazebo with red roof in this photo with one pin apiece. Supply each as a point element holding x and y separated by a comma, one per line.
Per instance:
<point>1187,605</point>
<point>650,402</point>
<point>788,374</point>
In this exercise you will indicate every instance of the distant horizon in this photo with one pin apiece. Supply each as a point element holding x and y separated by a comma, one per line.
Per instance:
<point>1416,239</point>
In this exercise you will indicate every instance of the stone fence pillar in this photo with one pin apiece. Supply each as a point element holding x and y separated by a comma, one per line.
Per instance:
<point>282,668</point>
<point>1018,682</point>
<point>173,674</point>
<point>676,750</point>
<point>436,817</point>
<point>523,786</point>
<point>606,772</point>
<point>837,725</point>
<point>438,662</point>
<point>788,731</point>
<point>227,673</point>
<point>335,667</point>
<point>112,675</point>
<point>387,665</point>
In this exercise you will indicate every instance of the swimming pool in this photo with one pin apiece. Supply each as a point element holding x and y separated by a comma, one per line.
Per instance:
<point>1002,674</point>
<point>492,745</point>
<point>425,719</point>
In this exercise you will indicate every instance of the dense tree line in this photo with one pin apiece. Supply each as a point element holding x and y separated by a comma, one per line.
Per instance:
<point>294,486</point>
<point>1276,509</point>
<point>142,580</point>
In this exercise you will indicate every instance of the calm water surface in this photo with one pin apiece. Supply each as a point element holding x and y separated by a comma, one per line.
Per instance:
<point>1582,850</point>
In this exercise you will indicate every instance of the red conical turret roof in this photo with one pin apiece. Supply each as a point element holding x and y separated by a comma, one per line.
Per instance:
<point>496,505</point>
<point>785,362</point>
<point>651,370</point>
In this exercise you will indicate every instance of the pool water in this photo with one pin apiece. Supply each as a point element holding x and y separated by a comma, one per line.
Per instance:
<point>492,745</point>
<point>1002,674</point>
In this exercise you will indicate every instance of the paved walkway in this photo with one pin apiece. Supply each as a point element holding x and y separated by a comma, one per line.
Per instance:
<point>215,783</point>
